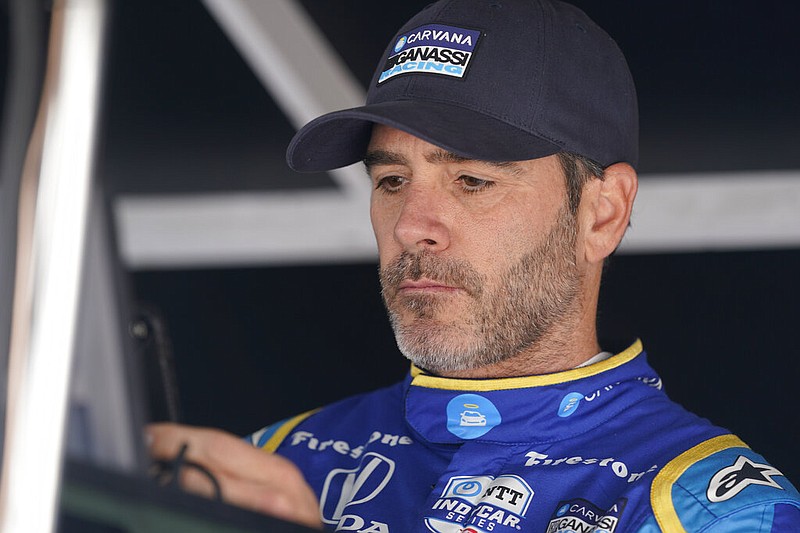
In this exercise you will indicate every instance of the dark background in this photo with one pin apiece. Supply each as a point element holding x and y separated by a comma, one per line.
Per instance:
<point>717,83</point>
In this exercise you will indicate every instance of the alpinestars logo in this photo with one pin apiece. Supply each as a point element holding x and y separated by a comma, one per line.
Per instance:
<point>733,479</point>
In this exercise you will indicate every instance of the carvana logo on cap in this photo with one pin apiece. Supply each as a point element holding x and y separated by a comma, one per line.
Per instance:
<point>432,49</point>
<point>470,416</point>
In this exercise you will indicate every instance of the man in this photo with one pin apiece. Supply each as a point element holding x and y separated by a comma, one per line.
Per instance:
<point>501,141</point>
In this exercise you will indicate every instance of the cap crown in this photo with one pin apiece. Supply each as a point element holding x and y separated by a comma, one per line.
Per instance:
<point>492,80</point>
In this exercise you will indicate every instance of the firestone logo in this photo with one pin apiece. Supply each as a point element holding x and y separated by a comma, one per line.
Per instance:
<point>619,468</point>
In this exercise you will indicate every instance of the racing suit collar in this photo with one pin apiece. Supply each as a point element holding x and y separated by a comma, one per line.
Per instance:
<point>544,408</point>
<point>421,379</point>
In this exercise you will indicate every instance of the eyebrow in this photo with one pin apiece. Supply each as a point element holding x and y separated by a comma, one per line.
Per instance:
<point>385,157</point>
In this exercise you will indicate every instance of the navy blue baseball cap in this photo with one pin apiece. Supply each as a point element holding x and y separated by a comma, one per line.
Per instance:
<point>494,80</point>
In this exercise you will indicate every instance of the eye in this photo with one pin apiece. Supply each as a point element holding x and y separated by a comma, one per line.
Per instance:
<point>473,184</point>
<point>390,184</point>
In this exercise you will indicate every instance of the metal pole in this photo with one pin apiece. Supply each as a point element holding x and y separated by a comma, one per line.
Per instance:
<point>53,212</point>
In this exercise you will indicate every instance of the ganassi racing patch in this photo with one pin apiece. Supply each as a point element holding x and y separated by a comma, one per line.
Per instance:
<point>432,49</point>
<point>582,516</point>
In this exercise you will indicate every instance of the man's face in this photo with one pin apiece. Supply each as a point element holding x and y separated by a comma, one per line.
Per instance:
<point>477,259</point>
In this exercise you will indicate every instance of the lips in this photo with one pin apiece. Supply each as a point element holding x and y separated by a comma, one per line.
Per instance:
<point>425,285</point>
<point>428,274</point>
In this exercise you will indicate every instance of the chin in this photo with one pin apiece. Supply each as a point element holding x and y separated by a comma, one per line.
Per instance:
<point>441,349</point>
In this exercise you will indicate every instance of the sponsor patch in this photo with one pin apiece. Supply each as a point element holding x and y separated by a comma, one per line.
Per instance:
<point>470,416</point>
<point>481,503</point>
<point>569,404</point>
<point>314,443</point>
<point>582,516</point>
<point>345,489</point>
<point>732,480</point>
<point>619,468</point>
<point>432,49</point>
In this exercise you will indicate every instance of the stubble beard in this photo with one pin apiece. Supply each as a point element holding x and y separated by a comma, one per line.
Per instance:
<point>530,298</point>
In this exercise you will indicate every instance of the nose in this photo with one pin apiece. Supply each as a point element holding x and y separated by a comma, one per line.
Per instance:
<point>422,223</point>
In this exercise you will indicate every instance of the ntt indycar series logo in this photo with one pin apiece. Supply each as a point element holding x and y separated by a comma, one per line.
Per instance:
<point>479,504</point>
<point>432,49</point>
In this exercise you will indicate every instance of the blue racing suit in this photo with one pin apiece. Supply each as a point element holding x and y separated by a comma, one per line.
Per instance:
<point>595,449</point>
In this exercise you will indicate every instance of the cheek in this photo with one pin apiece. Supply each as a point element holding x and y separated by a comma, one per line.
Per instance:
<point>488,245</point>
<point>497,239</point>
<point>524,225</point>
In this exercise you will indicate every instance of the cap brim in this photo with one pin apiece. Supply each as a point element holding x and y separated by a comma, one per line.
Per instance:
<point>341,138</point>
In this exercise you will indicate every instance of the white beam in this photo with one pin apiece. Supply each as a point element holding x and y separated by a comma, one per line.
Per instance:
<point>297,65</point>
<point>237,229</point>
<point>716,211</point>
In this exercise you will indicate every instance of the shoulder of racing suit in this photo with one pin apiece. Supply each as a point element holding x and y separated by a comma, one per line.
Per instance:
<point>722,486</point>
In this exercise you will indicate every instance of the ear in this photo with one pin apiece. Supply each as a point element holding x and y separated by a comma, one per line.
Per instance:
<point>605,210</point>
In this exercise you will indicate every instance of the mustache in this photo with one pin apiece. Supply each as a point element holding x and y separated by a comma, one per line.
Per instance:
<point>452,272</point>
